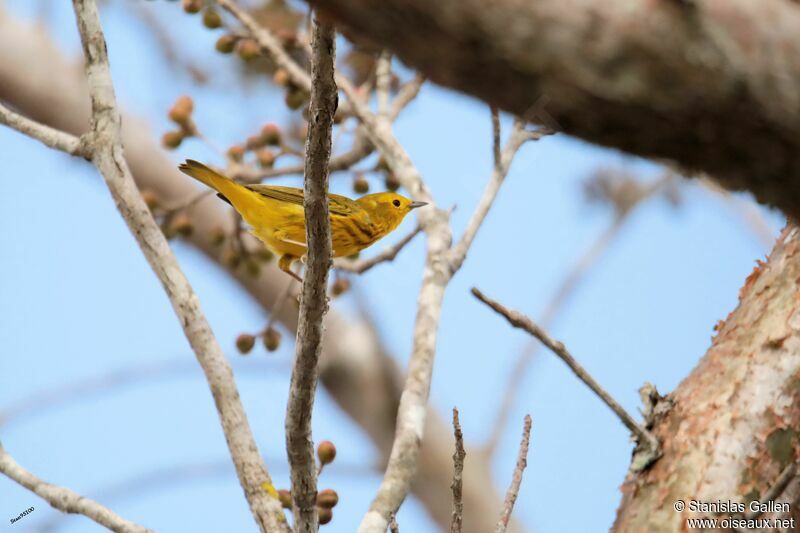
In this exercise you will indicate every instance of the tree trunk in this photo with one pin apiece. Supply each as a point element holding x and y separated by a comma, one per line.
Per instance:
<point>734,422</point>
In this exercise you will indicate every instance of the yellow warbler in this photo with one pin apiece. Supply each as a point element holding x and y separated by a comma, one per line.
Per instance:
<point>276,215</point>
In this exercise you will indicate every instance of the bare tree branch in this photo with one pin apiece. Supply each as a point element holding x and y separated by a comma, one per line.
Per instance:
<point>516,480</point>
<point>104,145</point>
<point>360,374</point>
<point>502,164</point>
<point>270,45</point>
<point>49,136</point>
<point>560,297</point>
<point>314,299</point>
<point>359,266</point>
<point>456,522</point>
<point>650,447</point>
<point>66,500</point>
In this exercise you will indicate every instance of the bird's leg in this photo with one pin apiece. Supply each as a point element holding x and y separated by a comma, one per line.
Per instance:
<point>285,264</point>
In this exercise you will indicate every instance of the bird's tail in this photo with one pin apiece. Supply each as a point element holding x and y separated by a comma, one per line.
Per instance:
<point>228,190</point>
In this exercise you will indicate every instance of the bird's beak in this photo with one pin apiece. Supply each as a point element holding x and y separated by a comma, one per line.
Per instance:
<point>414,205</point>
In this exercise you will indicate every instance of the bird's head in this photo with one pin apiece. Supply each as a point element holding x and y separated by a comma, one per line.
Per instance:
<point>388,207</point>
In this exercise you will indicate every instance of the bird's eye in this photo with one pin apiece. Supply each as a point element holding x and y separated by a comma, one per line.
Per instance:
<point>396,202</point>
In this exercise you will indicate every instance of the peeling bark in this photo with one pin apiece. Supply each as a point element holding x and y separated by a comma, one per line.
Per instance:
<point>734,423</point>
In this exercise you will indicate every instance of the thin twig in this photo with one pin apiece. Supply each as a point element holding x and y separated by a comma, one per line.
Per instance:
<point>359,266</point>
<point>406,95</point>
<point>560,297</point>
<point>519,135</point>
<point>456,522</point>
<point>66,500</point>
<point>45,134</point>
<point>518,320</point>
<point>270,45</point>
<point>496,147</point>
<point>108,157</point>
<point>516,480</point>
<point>313,302</point>
<point>383,78</point>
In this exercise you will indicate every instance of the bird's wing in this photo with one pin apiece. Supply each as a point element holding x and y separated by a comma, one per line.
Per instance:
<point>337,204</point>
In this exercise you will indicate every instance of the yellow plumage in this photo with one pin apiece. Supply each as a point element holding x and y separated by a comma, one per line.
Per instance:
<point>277,218</point>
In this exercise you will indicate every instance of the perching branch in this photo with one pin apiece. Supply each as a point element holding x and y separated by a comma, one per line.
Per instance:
<point>648,444</point>
<point>359,266</point>
<point>516,480</point>
<point>356,369</point>
<point>457,520</point>
<point>104,145</point>
<point>314,300</point>
<point>66,500</point>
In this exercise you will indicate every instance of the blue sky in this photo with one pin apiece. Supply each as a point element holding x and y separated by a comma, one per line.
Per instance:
<point>79,301</point>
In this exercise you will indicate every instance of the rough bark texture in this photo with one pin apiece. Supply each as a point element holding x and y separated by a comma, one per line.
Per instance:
<point>357,371</point>
<point>314,300</point>
<point>734,423</point>
<point>104,144</point>
<point>711,85</point>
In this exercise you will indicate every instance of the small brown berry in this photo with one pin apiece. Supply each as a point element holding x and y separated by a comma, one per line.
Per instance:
<point>326,452</point>
<point>231,258</point>
<point>211,19</point>
<point>181,110</point>
<point>182,225</point>
<point>217,235</point>
<point>253,267</point>
<point>325,515</point>
<point>391,181</point>
<point>327,499</point>
<point>254,142</point>
<point>340,286</point>
<point>271,134</point>
<point>295,98</point>
<point>236,152</point>
<point>382,165</point>
<point>150,198</point>
<point>286,498</point>
<point>264,254</point>
<point>281,77</point>
<point>361,185</point>
<point>226,43</point>
<point>265,158</point>
<point>247,49</point>
<point>192,6</point>
<point>272,339</point>
<point>245,343</point>
<point>287,36</point>
<point>172,139</point>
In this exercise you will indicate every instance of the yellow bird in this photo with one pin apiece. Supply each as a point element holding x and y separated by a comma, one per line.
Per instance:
<point>277,218</point>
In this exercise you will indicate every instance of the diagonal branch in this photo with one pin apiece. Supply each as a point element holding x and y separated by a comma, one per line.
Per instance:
<point>516,480</point>
<point>66,500</point>
<point>104,145</point>
<point>49,136</point>
<point>313,302</point>
<point>502,163</point>
<point>360,266</point>
<point>566,287</point>
<point>647,442</point>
